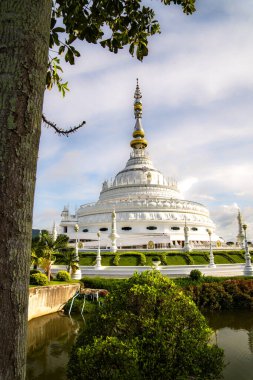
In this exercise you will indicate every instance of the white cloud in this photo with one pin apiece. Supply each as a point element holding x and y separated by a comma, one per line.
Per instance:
<point>187,183</point>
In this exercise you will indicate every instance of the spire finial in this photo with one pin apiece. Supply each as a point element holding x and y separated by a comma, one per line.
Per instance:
<point>137,102</point>
<point>139,142</point>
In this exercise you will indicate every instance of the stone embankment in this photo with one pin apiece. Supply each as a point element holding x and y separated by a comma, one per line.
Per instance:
<point>49,299</point>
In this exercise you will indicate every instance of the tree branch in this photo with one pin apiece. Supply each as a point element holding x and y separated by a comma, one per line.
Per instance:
<point>61,131</point>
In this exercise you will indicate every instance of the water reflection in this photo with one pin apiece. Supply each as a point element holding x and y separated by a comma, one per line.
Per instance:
<point>234,333</point>
<point>49,342</point>
<point>50,339</point>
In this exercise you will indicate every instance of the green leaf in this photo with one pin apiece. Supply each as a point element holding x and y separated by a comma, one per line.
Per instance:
<point>59,30</point>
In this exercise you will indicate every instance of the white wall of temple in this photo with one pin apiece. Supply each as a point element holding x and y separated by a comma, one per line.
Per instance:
<point>145,206</point>
<point>135,191</point>
<point>139,230</point>
<point>154,216</point>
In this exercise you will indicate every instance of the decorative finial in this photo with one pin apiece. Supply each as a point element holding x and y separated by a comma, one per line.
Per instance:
<point>137,102</point>
<point>139,142</point>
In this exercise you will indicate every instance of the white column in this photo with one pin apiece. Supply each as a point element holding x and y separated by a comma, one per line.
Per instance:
<point>211,262</point>
<point>113,236</point>
<point>76,273</point>
<point>98,258</point>
<point>248,266</point>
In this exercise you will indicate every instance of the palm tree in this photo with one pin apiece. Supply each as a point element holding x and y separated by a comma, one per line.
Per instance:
<point>44,249</point>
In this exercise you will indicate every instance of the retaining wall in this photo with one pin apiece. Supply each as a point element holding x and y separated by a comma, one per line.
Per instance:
<point>49,299</point>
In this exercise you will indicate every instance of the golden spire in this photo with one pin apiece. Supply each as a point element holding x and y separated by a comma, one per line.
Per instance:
<point>138,134</point>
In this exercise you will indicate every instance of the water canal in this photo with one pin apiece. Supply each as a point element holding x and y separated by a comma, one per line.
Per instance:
<point>50,339</point>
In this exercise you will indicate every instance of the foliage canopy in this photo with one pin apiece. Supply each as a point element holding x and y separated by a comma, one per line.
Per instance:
<point>111,23</point>
<point>146,329</point>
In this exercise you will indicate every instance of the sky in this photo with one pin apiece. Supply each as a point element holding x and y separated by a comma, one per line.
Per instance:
<point>197,88</point>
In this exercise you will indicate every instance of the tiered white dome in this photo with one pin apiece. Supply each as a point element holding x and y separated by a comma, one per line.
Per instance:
<point>149,207</point>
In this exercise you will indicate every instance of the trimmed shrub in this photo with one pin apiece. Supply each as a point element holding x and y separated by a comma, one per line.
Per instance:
<point>116,259</point>
<point>34,271</point>
<point>102,283</point>
<point>164,258</point>
<point>63,275</point>
<point>195,275</point>
<point>38,279</point>
<point>143,259</point>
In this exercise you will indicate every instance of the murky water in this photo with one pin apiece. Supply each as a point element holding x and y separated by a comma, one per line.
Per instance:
<point>234,333</point>
<point>49,343</point>
<point>50,339</point>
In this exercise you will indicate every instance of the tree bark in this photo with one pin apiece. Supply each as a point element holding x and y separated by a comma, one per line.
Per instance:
<point>24,40</point>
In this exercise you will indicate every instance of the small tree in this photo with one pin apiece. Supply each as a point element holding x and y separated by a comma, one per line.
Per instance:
<point>44,249</point>
<point>151,326</point>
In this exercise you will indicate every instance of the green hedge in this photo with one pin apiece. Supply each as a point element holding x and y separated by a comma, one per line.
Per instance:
<point>133,258</point>
<point>212,293</point>
<point>101,283</point>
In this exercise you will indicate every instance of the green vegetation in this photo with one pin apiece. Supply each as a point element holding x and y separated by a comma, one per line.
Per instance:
<point>113,25</point>
<point>195,275</point>
<point>45,250</point>
<point>63,275</point>
<point>102,283</point>
<point>136,258</point>
<point>90,307</point>
<point>39,279</point>
<point>222,295</point>
<point>146,329</point>
<point>215,293</point>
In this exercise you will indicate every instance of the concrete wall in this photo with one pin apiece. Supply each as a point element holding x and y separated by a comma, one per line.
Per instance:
<point>49,299</point>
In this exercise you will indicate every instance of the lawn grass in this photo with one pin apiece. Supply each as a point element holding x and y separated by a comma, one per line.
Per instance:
<point>220,259</point>
<point>199,259</point>
<point>176,260</point>
<point>129,260</point>
<point>238,258</point>
<point>107,260</point>
<point>87,260</point>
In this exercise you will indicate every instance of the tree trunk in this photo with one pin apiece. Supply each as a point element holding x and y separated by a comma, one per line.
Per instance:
<point>24,39</point>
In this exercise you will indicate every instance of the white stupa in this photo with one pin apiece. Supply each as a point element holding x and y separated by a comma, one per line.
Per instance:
<point>150,211</point>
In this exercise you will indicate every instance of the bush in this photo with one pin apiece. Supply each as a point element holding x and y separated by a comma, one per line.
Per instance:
<point>63,275</point>
<point>34,271</point>
<point>143,259</point>
<point>102,283</point>
<point>195,275</point>
<point>220,294</point>
<point>146,329</point>
<point>116,259</point>
<point>38,279</point>
<point>164,258</point>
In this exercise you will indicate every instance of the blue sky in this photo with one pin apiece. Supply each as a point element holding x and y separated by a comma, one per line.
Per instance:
<point>197,86</point>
